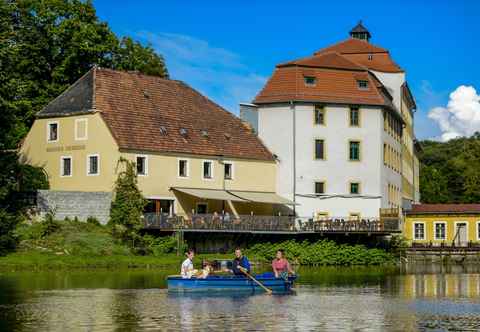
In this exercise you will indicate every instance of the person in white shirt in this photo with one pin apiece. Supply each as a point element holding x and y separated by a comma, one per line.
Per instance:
<point>187,270</point>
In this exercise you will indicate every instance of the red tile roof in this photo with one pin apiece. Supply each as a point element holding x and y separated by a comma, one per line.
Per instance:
<point>445,209</point>
<point>147,113</point>
<point>365,54</point>
<point>332,85</point>
<point>325,60</point>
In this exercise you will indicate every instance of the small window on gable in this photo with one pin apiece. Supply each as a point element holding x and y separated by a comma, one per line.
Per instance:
<point>310,80</point>
<point>370,57</point>
<point>183,168</point>
<point>142,165</point>
<point>319,115</point>
<point>52,132</point>
<point>207,170</point>
<point>81,129</point>
<point>362,84</point>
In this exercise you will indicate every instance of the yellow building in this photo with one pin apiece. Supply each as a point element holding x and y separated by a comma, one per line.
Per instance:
<point>449,224</point>
<point>192,156</point>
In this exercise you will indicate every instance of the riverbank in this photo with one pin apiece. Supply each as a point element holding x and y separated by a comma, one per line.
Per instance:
<point>79,245</point>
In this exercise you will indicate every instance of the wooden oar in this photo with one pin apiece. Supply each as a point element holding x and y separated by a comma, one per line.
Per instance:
<point>268,290</point>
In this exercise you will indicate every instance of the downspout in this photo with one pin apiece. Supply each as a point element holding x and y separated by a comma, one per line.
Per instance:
<point>292,106</point>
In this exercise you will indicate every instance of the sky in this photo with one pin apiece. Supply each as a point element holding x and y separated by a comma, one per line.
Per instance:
<point>228,49</point>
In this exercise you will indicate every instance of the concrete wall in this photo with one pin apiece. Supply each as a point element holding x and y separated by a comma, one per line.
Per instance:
<point>73,204</point>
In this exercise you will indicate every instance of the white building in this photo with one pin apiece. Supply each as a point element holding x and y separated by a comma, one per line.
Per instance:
<point>335,122</point>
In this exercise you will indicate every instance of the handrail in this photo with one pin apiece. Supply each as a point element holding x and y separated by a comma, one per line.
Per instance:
<point>268,223</point>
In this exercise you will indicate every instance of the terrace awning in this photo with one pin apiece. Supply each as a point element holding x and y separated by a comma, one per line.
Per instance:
<point>221,195</point>
<point>236,195</point>
<point>262,197</point>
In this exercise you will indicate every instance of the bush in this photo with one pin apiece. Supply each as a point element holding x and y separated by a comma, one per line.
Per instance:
<point>8,222</point>
<point>322,252</point>
<point>93,221</point>
<point>159,246</point>
<point>49,225</point>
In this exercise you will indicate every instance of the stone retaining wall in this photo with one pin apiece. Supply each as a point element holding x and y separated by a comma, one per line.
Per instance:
<point>73,204</point>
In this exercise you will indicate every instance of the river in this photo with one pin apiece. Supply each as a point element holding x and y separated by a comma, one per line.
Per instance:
<point>411,298</point>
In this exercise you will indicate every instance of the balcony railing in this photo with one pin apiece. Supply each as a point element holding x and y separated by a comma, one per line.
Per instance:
<point>254,223</point>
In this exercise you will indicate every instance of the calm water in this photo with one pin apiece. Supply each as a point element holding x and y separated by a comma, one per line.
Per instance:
<point>425,298</point>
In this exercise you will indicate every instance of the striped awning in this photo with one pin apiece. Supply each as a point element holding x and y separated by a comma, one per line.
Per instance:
<point>262,197</point>
<point>217,194</point>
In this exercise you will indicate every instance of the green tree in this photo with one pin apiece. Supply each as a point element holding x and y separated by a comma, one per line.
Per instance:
<point>47,45</point>
<point>127,206</point>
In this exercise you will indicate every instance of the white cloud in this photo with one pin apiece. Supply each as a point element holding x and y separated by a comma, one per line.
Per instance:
<point>216,72</point>
<point>461,116</point>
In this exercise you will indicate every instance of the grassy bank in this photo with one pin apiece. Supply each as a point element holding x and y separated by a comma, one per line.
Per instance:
<point>76,245</point>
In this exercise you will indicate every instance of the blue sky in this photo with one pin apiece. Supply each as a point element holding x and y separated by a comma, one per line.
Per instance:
<point>227,49</point>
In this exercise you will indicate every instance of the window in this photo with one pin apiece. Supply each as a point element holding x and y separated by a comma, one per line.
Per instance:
<point>354,188</point>
<point>385,153</point>
<point>478,230</point>
<point>228,168</point>
<point>319,187</point>
<point>183,168</point>
<point>309,80</point>
<point>354,216</point>
<point>93,165</point>
<point>142,165</point>
<point>419,231</point>
<point>207,170</point>
<point>52,132</point>
<point>354,151</point>
<point>362,84</point>
<point>319,149</point>
<point>440,230</point>
<point>319,115</point>
<point>81,129</point>
<point>354,117</point>
<point>66,166</point>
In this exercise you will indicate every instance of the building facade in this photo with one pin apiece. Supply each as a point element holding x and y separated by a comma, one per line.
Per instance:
<point>341,124</point>
<point>191,155</point>
<point>443,224</point>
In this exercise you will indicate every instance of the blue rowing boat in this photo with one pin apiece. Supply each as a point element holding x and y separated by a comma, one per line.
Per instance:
<point>230,283</point>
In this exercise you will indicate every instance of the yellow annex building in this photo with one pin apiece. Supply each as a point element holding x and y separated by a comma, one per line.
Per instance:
<point>443,224</point>
<point>192,156</point>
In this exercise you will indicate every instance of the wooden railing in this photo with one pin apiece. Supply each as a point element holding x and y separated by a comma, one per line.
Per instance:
<point>254,223</point>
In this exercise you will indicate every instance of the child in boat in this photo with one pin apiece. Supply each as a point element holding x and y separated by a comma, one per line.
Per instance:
<point>281,266</point>
<point>187,270</point>
<point>207,269</point>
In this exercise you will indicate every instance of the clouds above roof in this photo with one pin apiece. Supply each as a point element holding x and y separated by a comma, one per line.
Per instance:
<point>461,116</point>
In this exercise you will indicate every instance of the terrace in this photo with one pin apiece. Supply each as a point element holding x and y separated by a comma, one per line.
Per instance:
<point>225,223</point>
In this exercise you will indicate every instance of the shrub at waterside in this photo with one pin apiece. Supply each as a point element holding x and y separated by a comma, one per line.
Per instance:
<point>322,252</point>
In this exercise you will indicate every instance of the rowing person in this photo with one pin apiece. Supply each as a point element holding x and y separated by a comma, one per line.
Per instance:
<point>281,266</point>
<point>239,261</point>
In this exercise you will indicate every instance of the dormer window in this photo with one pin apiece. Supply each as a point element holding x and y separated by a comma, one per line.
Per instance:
<point>310,80</point>
<point>362,84</point>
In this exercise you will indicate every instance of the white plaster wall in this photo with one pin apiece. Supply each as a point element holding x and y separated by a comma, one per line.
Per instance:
<point>393,82</point>
<point>275,130</point>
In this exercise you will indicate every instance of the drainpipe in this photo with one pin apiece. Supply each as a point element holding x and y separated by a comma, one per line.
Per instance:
<point>292,106</point>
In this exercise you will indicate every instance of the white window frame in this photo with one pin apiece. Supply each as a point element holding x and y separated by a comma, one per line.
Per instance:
<point>435,223</point>
<point>146,164</point>
<point>62,158</point>
<point>178,168</point>
<point>466,228</point>
<point>77,121</point>
<point>98,164</point>
<point>424,231</point>
<point>232,170</point>
<point>211,170</point>
<point>48,131</point>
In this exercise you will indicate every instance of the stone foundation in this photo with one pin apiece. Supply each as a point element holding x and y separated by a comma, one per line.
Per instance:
<point>73,204</point>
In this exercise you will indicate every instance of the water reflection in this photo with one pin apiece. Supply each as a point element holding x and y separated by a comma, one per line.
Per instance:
<point>416,297</point>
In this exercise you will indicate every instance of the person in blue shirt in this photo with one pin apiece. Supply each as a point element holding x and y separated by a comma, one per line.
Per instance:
<point>239,261</point>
